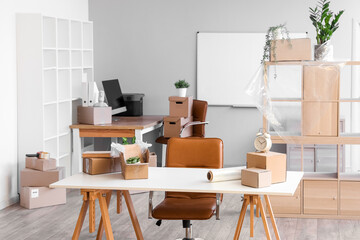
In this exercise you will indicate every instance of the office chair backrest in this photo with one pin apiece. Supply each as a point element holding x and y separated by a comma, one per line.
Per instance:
<point>194,153</point>
<point>199,114</point>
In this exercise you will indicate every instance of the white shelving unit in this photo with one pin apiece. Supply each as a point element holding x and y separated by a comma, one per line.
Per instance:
<point>52,55</point>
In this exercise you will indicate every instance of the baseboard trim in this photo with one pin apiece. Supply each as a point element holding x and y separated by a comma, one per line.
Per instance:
<point>9,202</point>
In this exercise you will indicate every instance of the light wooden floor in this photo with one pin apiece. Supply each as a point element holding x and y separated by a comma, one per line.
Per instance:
<point>58,223</point>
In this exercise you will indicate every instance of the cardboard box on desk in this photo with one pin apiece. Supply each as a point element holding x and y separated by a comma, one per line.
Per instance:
<point>100,162</point>
<point>297,50</point>
<point>36,197</point>
<point>275,162</point>
<point>138,170</point>
<point>36,178</point>
<point>94,115</point>
<point>181,106</point>
<point>256,177</point>
<point>40,164</point>
<point>173,126</point>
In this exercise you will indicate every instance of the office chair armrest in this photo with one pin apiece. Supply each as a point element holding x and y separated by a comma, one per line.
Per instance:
<point>218,201</point>
<point>151,194</point>
<point>192,124</point>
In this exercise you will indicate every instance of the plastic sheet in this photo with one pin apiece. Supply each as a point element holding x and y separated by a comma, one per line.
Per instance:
<point>225,174</point>
<point>298,98</point>
<point>117,148</point>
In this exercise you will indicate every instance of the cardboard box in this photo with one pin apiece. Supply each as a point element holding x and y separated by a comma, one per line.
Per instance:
<point>100,162</point>
<point>138,170</point>
<point>40,164</point>
<point>36,197</point>
<point>94,115</point>
<point>256,177</point>
<point>181,106</point>
<point>36,178</point>
<point>152,159</point>
<point>174,125</point>
<point>299,50</point>
<point>275,162</point>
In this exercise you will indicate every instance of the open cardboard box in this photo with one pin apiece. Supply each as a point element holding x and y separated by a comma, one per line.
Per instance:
<point>138,170</point>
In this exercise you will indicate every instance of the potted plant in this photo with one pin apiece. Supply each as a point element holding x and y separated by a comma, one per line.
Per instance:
<point>274,33</point>
<point>182,86</point>
<point>325,23</point>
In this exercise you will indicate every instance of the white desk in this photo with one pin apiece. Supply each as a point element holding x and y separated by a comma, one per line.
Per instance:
<point>179,180</point>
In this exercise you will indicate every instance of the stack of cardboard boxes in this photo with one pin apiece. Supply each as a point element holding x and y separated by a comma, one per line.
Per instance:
<point>35,180</point>
<point>263,169</point>
<point>101,162</point>
<point>180,115</point>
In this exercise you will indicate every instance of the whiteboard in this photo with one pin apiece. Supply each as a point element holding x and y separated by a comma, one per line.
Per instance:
<point>226,63</point>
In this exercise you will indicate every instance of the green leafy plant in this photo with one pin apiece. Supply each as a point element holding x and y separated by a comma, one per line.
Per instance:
<point>324,21</point>
<point>272,34</point>
<point>125,141</point>
<point>133,160</point>
<point>182,84</point>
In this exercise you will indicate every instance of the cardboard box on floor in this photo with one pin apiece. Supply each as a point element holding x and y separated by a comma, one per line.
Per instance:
<point>100,162</point>
<point>298,50</point>
<point>36,178</point>
<point>40,164</point>
<point>152,159</point>
<point>181,106</point>
<point>256,177</point>
<point>36,197</point>
<point>273,161</point>
<point>173,126</point>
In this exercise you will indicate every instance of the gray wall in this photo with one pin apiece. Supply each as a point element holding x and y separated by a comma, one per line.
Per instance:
<point>149,45</point>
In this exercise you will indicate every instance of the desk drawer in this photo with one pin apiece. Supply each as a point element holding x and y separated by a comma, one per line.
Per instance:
<point>320,197</point>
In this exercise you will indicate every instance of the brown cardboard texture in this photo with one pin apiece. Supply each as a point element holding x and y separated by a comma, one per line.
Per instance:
<point>100,162</point>
<point>275,162</point>
<point>152,159</point>
<point>138,170</point>
<point>173,126</point>
<point>94,115</point>
<point>40,164</point>
<point>35,178</point>
<point>297,50</point>
<point>181,106</point>
<point>256,177</point>
<point>36,197</point>
<point>94,166</point>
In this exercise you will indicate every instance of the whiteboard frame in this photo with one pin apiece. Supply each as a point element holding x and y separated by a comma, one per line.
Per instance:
<point>235,105</point>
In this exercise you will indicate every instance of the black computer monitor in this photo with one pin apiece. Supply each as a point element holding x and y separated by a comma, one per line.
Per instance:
<point>114,96</point>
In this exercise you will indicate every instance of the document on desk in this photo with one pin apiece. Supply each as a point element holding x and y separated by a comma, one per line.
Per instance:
<point>225,174</point>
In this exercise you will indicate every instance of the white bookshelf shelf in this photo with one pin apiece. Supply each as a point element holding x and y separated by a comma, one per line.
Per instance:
<point>51,71</point>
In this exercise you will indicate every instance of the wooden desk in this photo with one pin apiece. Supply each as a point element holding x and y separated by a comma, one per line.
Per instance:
<point>179,180</point>
<point>120,127</point>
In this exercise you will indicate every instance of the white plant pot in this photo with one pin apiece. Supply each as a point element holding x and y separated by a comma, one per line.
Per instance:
<point>324,52</point>
<point>182,92</point>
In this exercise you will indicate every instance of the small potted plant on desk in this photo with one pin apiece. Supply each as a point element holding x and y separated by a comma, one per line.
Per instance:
<point>182,86</point>
<point>325,23</point>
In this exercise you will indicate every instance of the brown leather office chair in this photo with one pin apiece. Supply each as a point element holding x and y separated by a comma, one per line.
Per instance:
<point>190,153</point>
<point>199,121</point>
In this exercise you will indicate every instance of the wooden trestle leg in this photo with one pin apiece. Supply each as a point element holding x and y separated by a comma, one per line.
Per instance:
<point>255,200</point>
